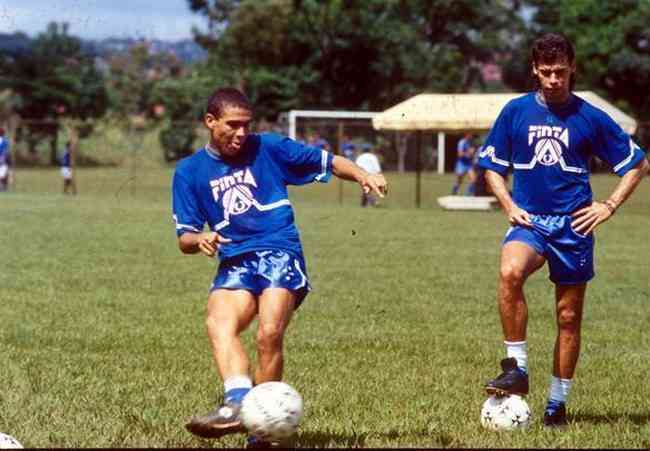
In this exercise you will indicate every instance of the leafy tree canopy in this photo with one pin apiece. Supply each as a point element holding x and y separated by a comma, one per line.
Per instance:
<point>612,43</point>
<point>53,79</point>
<point>352,54</point>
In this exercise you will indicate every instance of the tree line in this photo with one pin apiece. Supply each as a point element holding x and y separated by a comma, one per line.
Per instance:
<point>336,54</point>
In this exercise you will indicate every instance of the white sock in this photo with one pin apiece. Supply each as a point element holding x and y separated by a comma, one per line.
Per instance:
<point>560,389</point>
<point>234,382</point>
<point>518,350</point>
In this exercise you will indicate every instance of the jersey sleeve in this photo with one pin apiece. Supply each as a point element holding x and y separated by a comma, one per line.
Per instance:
<point>301,164</point>
<point>617,147</point>
<point>497,151</point>
<point>186,211</point>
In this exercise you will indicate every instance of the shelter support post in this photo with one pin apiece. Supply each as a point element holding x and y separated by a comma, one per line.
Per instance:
<point>441,152</point>
<point>339,139</point>
<point>418,168</point>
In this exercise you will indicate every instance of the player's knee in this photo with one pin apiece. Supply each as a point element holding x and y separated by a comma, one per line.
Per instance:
<point>219,329</point>
<point>512,275</point>
<point>269,337</point>
<point>568,319</point>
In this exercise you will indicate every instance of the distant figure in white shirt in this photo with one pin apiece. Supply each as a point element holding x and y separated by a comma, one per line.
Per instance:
<point>370,163</point>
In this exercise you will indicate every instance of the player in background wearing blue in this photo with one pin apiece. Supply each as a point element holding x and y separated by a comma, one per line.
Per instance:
<point>237,184</point>
<point>348,149</point>
<point>547,137</point>
<point>465,154</point>
<point>5,162</point>
<point>69,185</point>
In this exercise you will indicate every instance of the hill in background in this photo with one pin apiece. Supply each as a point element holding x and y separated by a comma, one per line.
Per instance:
<point>185,50</point>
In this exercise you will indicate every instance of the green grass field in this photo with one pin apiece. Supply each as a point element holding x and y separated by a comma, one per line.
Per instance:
<point>102,342</point>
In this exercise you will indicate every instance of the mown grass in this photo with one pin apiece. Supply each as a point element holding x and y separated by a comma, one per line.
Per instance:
<point>102,341</point>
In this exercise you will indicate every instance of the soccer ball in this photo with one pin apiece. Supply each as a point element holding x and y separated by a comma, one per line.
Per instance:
<point>272,411</point>
<point>8,442</point>
<point>505,413</point>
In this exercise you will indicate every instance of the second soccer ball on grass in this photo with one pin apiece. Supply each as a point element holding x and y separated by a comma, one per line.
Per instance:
<point>505,413</point>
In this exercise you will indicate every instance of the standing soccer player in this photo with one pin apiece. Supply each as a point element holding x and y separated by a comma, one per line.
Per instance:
<point>5,162</point>
<point>237,184</point>
<point>69,185</point>
<point>548,137</point>
<point>464,156</point>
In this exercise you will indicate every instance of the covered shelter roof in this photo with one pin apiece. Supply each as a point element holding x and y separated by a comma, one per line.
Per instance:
<point>469,112</point>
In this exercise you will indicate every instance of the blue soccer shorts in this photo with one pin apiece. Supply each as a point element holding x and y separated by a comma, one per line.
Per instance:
<point>569,254</point>
<point>255,271</point>
<point>462,168</point>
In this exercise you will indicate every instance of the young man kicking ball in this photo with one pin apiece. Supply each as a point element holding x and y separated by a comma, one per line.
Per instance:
<point>237,184</point>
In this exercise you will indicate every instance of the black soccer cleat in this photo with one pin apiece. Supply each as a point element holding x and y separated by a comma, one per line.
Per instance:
<point>513,380</point>
<point>555,415</point>
<point>257,443</point>
<point>221,421</point>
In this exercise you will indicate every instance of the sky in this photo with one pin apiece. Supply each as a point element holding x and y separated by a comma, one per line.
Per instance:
<point>96,19</point>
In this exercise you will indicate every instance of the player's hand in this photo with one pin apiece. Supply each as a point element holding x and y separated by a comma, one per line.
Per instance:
<point>588,218</point>
<point>518,216</point>
<point>375,183</point>
<point>209,243</point>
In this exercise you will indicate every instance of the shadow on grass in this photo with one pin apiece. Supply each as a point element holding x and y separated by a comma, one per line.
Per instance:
<point>358,440</point>
<point>638,419</point>
<point>325,439</point>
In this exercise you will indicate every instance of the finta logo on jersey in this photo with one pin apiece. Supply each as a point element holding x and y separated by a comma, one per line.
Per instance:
<point>548,150</point>
<point>237,197</point>
<point>243,177</point>
<point>545,131</point>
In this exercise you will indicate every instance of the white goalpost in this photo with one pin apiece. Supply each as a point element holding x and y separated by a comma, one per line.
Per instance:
<point>293,116</point>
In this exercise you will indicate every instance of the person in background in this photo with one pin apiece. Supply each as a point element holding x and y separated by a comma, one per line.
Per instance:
<point>5,162</point>
<point>316,140</point>
<point>347,147</point>
<point>69,185</point>
<point>464,156</point>
<point>370,163</point>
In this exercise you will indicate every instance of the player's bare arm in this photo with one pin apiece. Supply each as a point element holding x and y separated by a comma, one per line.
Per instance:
<point>516,215</point>
<point>348,170</point>
<point>588,218</point>
<point>205,242</point>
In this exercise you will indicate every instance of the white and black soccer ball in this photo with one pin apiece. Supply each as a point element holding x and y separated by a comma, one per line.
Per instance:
<point>505,413</point>
<point>272,411</point>
<point>8,442</point>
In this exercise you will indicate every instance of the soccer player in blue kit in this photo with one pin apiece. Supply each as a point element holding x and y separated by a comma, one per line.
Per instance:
<point>237,184</point>
<point>465,154</point>
<point>547,137</point>
<point>5,162</point>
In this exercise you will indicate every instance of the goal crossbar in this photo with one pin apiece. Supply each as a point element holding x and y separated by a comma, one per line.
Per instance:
<point>295,114</point>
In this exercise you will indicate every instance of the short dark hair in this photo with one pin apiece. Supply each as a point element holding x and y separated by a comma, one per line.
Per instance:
<point>223,97</point>
<point>552,47</point>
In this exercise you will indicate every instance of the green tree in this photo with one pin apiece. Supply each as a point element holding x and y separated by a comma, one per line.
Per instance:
<point>183,95</point>
<point>132,78</point>
<point>352,54</point>
<point>54,79</point>
<point>612,45</point>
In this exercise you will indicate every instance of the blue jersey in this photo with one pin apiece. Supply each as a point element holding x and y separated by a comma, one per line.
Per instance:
<point>549,148</point>
<point>246,199</point>
<point>347,149</point>
<point>463,151</point>
<point>65,160</point>
<point>4,151</point>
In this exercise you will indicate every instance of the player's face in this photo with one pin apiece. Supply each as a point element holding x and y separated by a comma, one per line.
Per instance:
<point>228,132</point>
<point>555,79</point>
